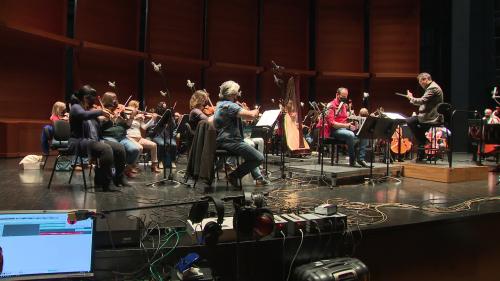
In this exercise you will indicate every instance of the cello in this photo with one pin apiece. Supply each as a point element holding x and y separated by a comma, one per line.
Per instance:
<point>399,144</point>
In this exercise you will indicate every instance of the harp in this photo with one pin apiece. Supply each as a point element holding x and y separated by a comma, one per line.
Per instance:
<point>294,136</point>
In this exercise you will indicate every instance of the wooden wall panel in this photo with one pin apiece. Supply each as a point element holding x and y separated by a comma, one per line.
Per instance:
<point>382,95</point>
<point>31,71</point>
<point>327,89</point>
<point>175,27</point>
<point>394,36</point>
<point>176,77</point>
<point>96,69</point>
<point>232,31</point>
<point>47,15</point>
<point>340,35</point>
<point>285,34</point>
<point>110,22</point>
<point>246,81</point>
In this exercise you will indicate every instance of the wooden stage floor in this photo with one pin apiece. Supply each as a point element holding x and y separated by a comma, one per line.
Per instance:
<point>28,190</point>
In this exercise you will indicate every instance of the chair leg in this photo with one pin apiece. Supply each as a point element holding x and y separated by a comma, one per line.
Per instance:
<point>53,170</point>
<point>83,174</point>
<point>320,152</point>
<point>337,154</point>
<point>240,180</point>
<point>45,161</point>
<point>224,159</point>
<point>332,149</point>
<point>73,170</point>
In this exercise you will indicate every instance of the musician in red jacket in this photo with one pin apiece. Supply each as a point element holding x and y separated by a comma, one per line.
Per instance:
<point>341,129</point>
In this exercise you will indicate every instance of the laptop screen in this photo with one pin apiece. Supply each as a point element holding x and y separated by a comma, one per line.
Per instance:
<point>43,245</point>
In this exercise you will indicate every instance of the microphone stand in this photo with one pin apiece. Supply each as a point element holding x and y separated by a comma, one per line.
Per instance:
<point>161,126</point>
<point>321,140</point>
<point>280,83</point>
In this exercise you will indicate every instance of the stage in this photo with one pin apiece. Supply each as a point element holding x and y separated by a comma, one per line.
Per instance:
<point>397,215</point>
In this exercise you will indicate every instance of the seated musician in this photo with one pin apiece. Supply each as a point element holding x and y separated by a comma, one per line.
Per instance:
<point>342,129</point>
<point>197,103</point>
<point>114,129</point>
<point>134,134</point>
<point>85,136</point>
<point>58,113</point>
<point>165,140</point>
<point>427,111</point>
<point>227,121</point>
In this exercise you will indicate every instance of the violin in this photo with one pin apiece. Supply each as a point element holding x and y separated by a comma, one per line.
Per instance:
<point>209,108</point>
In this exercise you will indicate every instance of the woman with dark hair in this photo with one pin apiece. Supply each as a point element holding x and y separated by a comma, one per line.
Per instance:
<point>85,140</point>
<point>115,130</point>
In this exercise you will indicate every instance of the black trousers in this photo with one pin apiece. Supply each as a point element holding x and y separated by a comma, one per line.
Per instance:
<point>418,129</point>
<point>107,154</point>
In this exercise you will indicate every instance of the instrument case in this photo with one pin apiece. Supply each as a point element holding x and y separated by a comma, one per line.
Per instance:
<point>338,269</point>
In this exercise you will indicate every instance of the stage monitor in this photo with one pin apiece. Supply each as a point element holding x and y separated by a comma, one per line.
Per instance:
<point>43,245</point>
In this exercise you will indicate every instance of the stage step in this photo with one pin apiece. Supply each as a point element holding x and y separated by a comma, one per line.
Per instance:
<point>440,172</point>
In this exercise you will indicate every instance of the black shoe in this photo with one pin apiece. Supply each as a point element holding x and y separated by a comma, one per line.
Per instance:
<point>105,188</point>
<point>363,163</point>
<point>121,181</point>
<point>233,180</point>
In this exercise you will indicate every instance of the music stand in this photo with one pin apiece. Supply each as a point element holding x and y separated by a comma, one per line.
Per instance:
<point>164,125</point>
<point>264,127</point>
<point>378,128</point>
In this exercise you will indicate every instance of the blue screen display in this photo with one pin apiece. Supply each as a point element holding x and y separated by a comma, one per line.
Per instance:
<point>38,244</point>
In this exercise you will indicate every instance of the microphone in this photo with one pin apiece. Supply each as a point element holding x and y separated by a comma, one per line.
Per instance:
<point>276,67</point>
<point>156,67</point>
<point>80,215</point>
<point>163,93</point>
<point>277,81</point>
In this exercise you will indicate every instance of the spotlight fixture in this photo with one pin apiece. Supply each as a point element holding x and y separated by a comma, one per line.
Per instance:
<point>251,219</point>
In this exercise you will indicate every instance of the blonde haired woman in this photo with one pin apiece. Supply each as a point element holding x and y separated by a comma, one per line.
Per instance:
<point>59,112</point>
<point>196,104</point>
<point>134,134</point>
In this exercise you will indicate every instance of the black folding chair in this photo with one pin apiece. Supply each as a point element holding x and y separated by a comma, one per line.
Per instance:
<point>62,133</point>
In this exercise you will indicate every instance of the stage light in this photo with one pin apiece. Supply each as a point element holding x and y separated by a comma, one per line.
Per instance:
<point>251,220</point>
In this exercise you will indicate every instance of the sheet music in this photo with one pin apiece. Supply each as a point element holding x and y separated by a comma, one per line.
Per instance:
<point>268,118</point>
<point>394,116</point>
